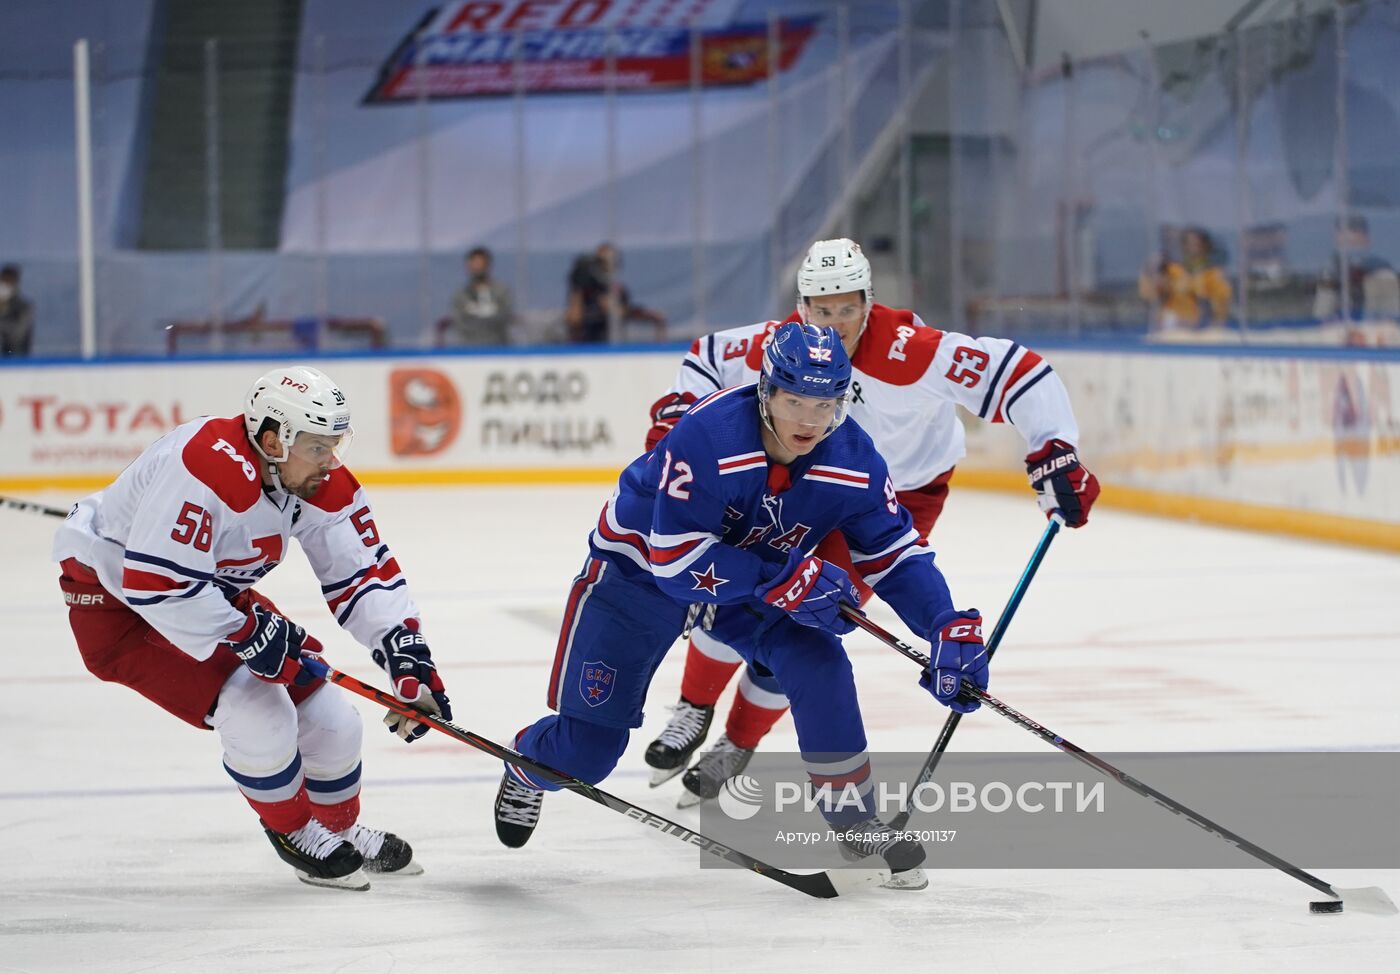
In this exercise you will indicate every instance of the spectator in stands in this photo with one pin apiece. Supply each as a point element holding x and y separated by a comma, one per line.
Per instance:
<point>482,311</point>
<point>16,315</point>
<point>596,295</point>
<point>1373,290</point>
<point>1190,293</point>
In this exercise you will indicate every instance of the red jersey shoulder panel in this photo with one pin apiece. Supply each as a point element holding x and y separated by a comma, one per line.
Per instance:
<point>753,358</point>
<point>337,493</point>
<point>221,457</point>
<point>894,349</point>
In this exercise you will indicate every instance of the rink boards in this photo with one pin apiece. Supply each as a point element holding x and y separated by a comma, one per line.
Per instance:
<point>1301,441</point>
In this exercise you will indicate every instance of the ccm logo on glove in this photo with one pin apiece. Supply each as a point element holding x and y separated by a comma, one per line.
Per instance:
<point>795,592</point>
<point>966,632</point>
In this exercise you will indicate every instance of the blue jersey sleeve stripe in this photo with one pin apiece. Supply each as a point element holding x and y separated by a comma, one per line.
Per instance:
<point>146,559</point>
<point>996,380</point>
<point>710,350</point>
<point>693,366</point>
<point>350,606</point>
<point>1006,410</point>
<point>326,589</point>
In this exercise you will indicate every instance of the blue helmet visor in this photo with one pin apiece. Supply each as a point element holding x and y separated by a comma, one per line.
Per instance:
<point>820,412</point>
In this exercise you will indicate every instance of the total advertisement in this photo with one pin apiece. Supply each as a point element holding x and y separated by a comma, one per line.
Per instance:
<point>449,419</point>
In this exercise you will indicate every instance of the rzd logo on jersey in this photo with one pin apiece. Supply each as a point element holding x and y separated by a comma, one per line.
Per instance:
<point>425,412</point>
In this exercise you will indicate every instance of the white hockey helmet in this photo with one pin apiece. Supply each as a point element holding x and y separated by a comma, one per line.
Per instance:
<point>835,267</point>
<point>300,400</point>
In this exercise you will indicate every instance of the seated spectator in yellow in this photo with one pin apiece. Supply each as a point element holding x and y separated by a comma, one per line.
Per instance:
<point>1191,293</point>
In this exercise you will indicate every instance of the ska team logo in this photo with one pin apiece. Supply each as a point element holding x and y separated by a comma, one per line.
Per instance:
<point>596,683</point>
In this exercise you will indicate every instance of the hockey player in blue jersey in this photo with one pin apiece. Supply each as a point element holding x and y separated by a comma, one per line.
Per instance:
<point>723,513</point>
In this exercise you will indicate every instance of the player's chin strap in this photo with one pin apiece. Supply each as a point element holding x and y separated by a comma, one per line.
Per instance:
<point>274,465</point>
<point>1369,899</point>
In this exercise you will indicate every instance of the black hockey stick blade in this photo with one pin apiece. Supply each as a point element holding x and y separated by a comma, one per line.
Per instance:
<point>15,504</point>
<point>823,885</point>
<point>1366,899</point>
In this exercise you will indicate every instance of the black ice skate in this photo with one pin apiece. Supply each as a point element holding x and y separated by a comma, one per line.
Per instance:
<point>517,811</point>
<point>904,856</point>
<point>320,856</point>
<point>669,754</point>
<point>384,852</point>
<point>716,766</point>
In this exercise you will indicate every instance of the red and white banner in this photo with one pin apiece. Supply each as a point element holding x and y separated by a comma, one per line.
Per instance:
<point>471,48</point>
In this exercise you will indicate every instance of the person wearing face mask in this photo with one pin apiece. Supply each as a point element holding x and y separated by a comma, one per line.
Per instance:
<point>16,316</point>
<point>907,381</point>
<point>482,311</point>
<point>158,572</point>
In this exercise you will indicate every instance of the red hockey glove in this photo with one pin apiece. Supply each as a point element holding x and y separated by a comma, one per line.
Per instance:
<point>665,413</point>
<point>1062,483</point>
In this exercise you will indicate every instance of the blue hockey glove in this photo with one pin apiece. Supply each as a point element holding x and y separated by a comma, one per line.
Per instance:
<point>405,657</point>
<point>958,654</point>
<point>811,591</point>
<point>269,646</point>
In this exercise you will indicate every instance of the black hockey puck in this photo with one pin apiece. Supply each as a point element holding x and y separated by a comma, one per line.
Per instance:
<point>1325,906</point>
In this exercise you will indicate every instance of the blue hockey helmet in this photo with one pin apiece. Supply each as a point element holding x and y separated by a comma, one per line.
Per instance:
<point>809,361</point>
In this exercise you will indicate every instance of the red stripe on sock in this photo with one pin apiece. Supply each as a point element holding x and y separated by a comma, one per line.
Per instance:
<point>705,678</point>
<point>748,722</point>
<point>284,816</point>
<point>340,816</point>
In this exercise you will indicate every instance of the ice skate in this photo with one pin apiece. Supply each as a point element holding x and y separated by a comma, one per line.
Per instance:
<point>384,853</point>
<point>669,754</point>
<point>904,856</point>
<point>716,766</point>
<point>517,811</point>
<point>320,856</point>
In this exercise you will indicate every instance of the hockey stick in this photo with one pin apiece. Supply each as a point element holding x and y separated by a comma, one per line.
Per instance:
<point>951,723</point>
<point>15,503</point>
<point>823,885</point>
<point>1369,899</point>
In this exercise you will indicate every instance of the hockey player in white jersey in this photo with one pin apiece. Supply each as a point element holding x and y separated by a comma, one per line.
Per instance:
<point>157,572</point>
<point>908,380</point>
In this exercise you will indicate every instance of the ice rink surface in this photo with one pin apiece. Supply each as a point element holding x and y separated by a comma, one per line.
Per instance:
<point>126,847</point>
